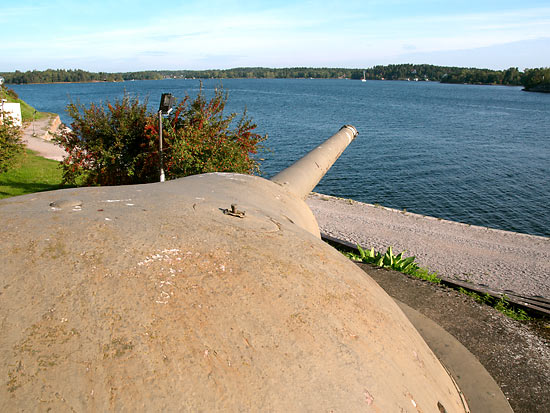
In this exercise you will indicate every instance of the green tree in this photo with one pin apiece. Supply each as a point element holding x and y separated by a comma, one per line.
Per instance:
<point>10,142</point>
<point>512,76</point>
<point>536,79</point>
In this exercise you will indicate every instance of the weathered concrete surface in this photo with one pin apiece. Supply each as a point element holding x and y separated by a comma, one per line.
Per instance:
<point>149,297</point>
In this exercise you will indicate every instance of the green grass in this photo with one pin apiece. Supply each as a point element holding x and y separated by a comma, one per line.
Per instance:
<point>501,304</point>
<point>32,173</point>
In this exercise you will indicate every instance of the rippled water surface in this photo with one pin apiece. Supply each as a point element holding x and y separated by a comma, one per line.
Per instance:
<point>474,154</point>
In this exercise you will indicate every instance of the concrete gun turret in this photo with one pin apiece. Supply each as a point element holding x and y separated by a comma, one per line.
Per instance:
<point>207,293</point>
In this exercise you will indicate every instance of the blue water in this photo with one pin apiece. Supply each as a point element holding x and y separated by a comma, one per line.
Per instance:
<point>473,154</point>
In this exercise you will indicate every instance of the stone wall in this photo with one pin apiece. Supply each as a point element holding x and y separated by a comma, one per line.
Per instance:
<point>55,123</point>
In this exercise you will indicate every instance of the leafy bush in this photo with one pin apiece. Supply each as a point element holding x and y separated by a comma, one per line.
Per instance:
<point>105,144</point>
<point>199,139</point>
<point>10,142</point>
<point>394,262</point>
<point>118,143</point>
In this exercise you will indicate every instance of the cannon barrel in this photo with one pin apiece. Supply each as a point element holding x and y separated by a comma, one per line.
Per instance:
<point>302,176</point>
<point>207,293</point>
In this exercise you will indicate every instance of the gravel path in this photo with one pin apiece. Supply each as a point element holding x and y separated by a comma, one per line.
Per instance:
<point>35,136</point>
<point>499,259</point>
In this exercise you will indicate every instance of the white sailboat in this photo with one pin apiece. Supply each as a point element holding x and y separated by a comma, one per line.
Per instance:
<point>364,77</point>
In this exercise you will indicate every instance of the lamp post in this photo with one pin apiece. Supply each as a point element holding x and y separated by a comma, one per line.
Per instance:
<point>33,121</point>
<point>166,103</point>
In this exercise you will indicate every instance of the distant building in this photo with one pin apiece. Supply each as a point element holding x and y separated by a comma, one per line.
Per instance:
<point>1,80</point>
<point>13,110</point>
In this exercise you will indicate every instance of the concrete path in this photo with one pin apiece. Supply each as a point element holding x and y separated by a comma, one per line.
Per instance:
<point>36,137</point>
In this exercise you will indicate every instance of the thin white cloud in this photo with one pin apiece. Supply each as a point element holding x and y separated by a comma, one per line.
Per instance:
<point>8,13</point>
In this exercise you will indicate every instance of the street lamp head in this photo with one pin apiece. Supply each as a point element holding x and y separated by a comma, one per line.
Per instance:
<point>166,103</point>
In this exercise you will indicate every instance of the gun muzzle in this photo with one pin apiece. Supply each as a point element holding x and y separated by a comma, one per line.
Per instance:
<point>303,175</point>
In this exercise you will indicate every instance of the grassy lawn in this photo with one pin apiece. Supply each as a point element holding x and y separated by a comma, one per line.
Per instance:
<point>32,174</point>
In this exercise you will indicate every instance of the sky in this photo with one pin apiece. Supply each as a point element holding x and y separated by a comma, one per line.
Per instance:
<point>122,36</point>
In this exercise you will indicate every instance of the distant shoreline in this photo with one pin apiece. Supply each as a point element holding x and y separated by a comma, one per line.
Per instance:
<point>412,72</point>
<point>275,78</point>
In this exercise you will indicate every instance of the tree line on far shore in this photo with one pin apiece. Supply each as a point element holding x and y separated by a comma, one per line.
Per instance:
<point>530,78</point>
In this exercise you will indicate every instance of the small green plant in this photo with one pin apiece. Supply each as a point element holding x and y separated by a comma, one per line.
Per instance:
<point>505,308</point>
<point>10,143</point>
<point>394,262</point>
<point>480,298</point>
<point>500,304</point>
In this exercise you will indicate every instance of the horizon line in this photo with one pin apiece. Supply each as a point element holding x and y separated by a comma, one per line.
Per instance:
<point>273,68</point>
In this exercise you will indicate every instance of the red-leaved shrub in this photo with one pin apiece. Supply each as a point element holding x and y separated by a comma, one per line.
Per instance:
<point>117,144</point>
